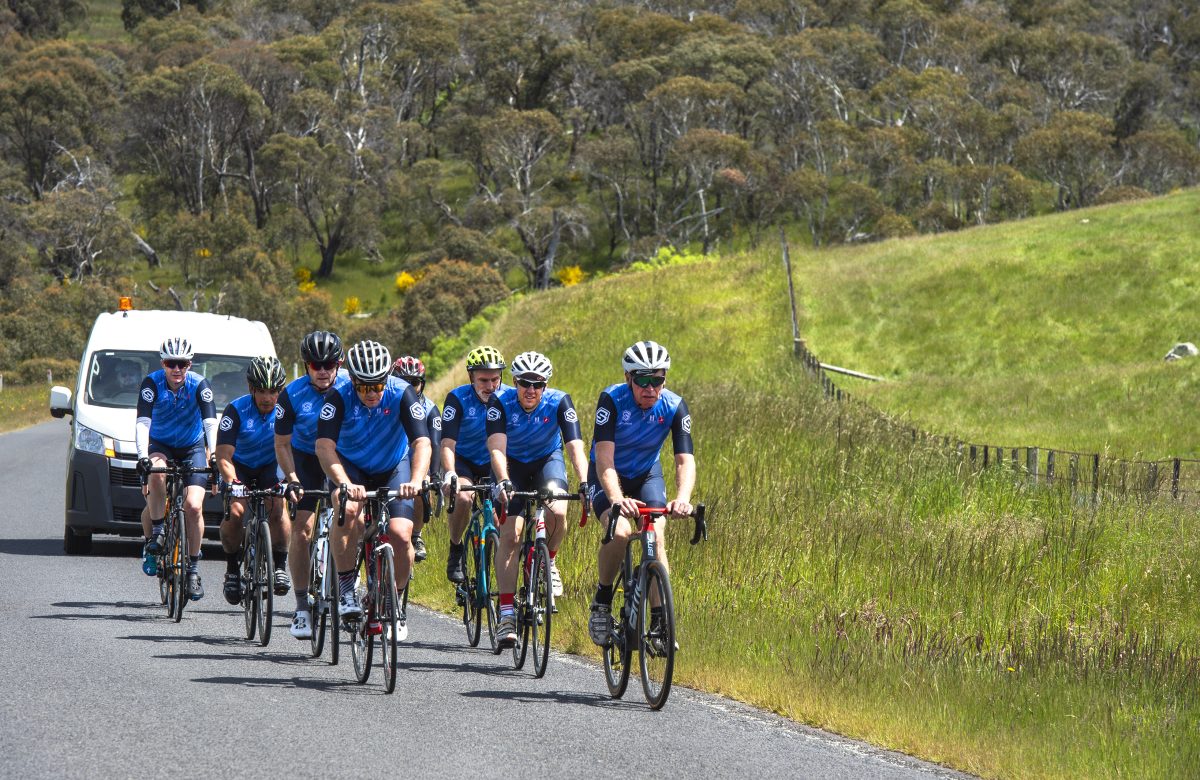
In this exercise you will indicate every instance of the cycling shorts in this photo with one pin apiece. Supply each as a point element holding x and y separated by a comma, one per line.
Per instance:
<point>192,455</point>
<point>471,470</point>
<point>311,477</point>
<point>260,478</point>
<point>649,488</point>
<point>389,479</point>
<point>549,471</point>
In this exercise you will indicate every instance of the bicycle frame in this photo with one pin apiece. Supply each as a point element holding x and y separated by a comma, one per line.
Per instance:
<point>172,561</point>
<point>258,559</point>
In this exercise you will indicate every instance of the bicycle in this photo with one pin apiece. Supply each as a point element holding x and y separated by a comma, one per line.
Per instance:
<point>172,561</point>
<point>257,566</point>
<point>638,588</point>
<point>322,589</point>
<point>478,593</point>
<point>533,604</point>
<point>384,609</point>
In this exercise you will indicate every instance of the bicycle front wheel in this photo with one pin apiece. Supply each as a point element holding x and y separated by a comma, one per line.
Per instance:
<point>491,590</point>
<point>522,606</point>
<point>656,634</point>
<point>333,595</point>
<point>470,589</point>
<point>538,628</point>
<point>362,642</point>
<point>387,603</point>
<point>619,654</point>
<point>318,613</point>
<point>249,599</point>
<point>178,557</point>
<point>264,588</point>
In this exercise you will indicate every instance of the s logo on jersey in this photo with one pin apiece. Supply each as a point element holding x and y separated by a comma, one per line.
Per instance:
<point>206,395</point>
<point>437,423</point>
<point>493,414</point>
<point>602,416</point>
<point>448,414</point>
<point>417,410</point>
<point>687,424</point>
<point>226,423</point>
<point>148,395</point>
<point>278,412</point>
<point>571,417</point>
<point>327,412</point>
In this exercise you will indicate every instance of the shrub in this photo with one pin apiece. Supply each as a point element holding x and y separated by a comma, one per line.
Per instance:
<point>33,371</point>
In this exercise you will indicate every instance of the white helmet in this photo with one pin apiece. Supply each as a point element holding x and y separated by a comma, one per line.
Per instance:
<point>646,356</point>
<point>532,364</point>
<point>369,361</point>
<point>176,348</point>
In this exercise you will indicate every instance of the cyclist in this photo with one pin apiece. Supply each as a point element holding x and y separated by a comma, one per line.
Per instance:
<point>246,457</point>
<point>526,438</point>
<point>176,418</point>
<point>633,419</point>
<point>296,451</point>
<point>372,433</point>
<point>464,442</point>
<point>412,370</point>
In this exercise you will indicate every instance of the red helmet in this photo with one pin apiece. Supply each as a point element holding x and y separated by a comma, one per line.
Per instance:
<point>409,367</point>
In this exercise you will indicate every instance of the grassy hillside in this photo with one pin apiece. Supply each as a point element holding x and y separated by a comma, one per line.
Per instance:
<point>1047,332</point>
<point>859,585</point>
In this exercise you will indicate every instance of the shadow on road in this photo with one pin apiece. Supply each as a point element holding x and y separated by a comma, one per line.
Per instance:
<point>348,687</point>
<point>463,666</point>
<point>151,611</point>
<point>275,658</point>
<point>51,548</point>
<point>561,697</point>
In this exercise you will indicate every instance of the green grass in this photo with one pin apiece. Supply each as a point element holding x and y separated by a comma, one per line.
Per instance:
<point>1048,332</point>
<point>23,405</point>
<point>857,584</point>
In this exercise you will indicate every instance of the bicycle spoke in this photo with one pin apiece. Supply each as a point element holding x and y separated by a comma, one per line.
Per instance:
<point>656,635</point>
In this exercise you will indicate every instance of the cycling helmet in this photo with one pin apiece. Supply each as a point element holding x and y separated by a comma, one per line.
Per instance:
<point>176,348</point>
<point>532,364</point>
<point>266,373</point>
<point>646,357</point>
<point>485,357</point>
<point>320,346</point>
<point>409,367</point>
<point>369,361</point>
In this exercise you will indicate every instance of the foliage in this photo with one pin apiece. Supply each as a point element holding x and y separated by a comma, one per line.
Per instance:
<point>570,276</point>
<point>667,256</point>
<point>36,370</point>
<point>404,281</point>
<point>352,306</point>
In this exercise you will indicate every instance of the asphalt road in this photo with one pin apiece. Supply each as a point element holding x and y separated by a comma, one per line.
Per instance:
<point>99,683</point>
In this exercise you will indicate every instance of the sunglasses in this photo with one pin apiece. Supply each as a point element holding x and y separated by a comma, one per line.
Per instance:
<point>649,381</point>
<point>324,365</point>
<point>363,389</point>
<point>177,364</point>
<point>529,383</point>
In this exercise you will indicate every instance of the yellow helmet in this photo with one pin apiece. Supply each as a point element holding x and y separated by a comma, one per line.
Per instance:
<point>486,358</point>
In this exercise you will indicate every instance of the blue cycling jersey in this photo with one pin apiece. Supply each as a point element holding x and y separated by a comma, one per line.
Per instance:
<point>297,410</point>
<point>433,416</point>
<point>464,419</point>
<point>251,432</point>
<point>638,434</point>
<point>373,440</point>
<point>535,434</point>
<point>176,417</point>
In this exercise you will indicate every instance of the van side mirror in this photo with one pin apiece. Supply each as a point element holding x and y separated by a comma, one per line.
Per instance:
<point>60,401</point>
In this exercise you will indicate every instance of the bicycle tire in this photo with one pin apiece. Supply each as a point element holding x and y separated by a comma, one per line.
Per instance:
<point>492,590</point>
<point>619,654</point>
<point>246,575</point>
<point>264,570</point>
<point>656,644</point>
<point>541,606</point>
<point>318,611</point>
<point>333,590</point>
<point>471,598</point>
<point>166,577</point>
<point>522,607</point>
<point>362,643</point>
<point>387,603</point>
<point>179,563</point>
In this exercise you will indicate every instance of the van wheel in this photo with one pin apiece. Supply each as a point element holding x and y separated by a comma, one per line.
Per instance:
<point>77,542</point>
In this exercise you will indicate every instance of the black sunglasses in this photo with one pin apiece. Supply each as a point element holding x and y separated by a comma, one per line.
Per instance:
<point>649,381</point>
<point>177,363</point>
<point>528,383</point>
<point>323,365</point>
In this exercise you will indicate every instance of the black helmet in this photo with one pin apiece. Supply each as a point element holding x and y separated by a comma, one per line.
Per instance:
<point>265,373</point>
<point>320,346</point>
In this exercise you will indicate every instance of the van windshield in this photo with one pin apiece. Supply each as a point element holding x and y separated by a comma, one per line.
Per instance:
<point>115,376</point>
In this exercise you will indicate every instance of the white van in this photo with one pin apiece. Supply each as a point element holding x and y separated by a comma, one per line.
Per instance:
<point>103,492</point>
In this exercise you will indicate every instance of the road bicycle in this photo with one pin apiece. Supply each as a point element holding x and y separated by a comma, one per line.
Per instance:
<point>640,591</point>
<point>384,609</point>
<point>172,560</point>
<point>322,585</point>
<point>533,605</point>
<point>257,568</point>
<point>478,594</point>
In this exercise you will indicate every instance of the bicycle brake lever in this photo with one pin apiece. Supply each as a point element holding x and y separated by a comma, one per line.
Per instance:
<point>701,531</point>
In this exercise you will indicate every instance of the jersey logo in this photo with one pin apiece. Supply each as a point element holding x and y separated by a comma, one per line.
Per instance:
<point>687,424</point>
<point>493,414</point>
<point>448,414</point>
<point>570,416</point>
<point>601,416</point>
<point>278,412</point>
<point>625,416</point>
<point>306,407</point>
<point>206,395</point>
<point>249,425</point>
<point>417,410</point>
<point>327,412</point>
<point>226,423</point>
<point>148,394</point>
<point>437,423</point>
<point>471,412</point>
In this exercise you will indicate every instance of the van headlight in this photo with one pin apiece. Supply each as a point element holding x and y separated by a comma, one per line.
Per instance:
<point>87,440</point>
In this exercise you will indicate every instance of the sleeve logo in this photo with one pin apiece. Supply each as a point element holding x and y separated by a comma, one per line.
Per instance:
<point>206,395</point>
<point>278,412</point>
<point>327,412</point>
<point>493,414</point>
<point>687,424</point>
<point>448,414</point>
<point>601,416</point>
<point>437,423</point>
<point>148,394</point>
<point>571,417</point>
<point>226,423</point>
<point>417,411</point>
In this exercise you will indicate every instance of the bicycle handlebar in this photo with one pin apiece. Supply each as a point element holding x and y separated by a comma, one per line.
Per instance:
<point>382,495</point>
<point>546,495</point>
<point>697,514</point>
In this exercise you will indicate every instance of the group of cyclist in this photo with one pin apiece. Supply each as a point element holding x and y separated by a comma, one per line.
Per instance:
<point>359,421</point>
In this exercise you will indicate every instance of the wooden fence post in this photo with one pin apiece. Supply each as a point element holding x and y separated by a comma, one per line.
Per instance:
<point>986,449</point>
<point>1015,465</point>
<point>1031,463</point>
<point>1175,478</point>
<point>1074,462</point>
<point>1152,477</point>
<point>1095,476</point>
<point>1050,467</point>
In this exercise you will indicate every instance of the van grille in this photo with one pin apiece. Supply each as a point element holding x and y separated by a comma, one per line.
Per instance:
<point>123,477</point>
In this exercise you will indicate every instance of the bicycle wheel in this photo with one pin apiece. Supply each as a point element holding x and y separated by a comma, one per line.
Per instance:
<point>246,574</point>
<point>362,641</point>
<point>179,564</point>
<point>619,655</point>
<point>492,601</point>
<point>166,576</point>
<point>538,627</point>
<point>522,606</point>
<point>264,593</point>
<point>387,604</point>
<point>470,589</point>
<point>318,612</point>
<point>656,638</point>
<point>332,598</point>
